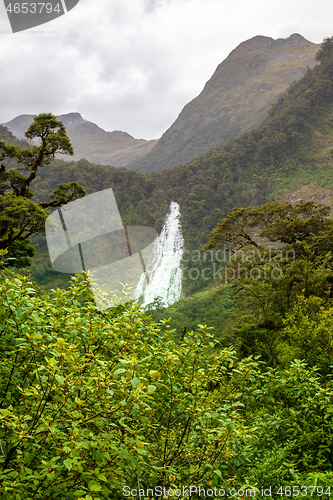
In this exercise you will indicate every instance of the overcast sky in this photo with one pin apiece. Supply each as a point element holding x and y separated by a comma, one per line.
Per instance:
<point>132,65</point>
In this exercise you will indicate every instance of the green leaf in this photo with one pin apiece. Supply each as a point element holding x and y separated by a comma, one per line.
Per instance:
<point>135,382</point>
<point>79,493</point>
<point>102,477</point>
<point>94,486</point>
<point>68,463</point>
<point>120,370</point>
<point>59,379</point>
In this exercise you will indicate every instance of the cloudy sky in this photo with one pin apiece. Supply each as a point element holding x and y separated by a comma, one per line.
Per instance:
<point>132,65</point>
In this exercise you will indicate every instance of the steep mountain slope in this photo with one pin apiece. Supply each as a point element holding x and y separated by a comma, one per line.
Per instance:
<point>235,100</point>
<point>111,148</point>
<point>92,142</point>
<point>7,136</point>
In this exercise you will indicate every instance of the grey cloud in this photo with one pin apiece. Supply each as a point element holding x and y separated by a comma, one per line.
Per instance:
<point>132,66</point>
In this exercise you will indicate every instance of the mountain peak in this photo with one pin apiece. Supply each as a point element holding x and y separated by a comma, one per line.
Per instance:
<point>74,116</point>
<point>236,99</point>
<point>293,47</point>
<point>297,36</point>
<point>267,43</point>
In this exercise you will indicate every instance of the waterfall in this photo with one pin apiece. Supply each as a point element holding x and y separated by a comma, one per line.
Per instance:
<point>163,277</point>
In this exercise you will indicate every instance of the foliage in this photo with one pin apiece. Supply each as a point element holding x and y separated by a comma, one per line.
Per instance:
<point>326,49</point>
<point>201,308</point>
<point>284,222</point>
<point>277,252</point>
<point>20,217</point>
<point>92,401</point>
<point>294,432</point>
<point>308,328</point>
<point>95,401</point>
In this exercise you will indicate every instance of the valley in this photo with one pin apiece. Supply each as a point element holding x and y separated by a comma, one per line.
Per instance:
<point>228,383</point>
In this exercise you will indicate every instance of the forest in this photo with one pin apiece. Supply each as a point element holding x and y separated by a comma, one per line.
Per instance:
<point>130,402</point>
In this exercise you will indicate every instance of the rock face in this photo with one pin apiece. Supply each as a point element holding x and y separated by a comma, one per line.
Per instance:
<point>19,125</point>
<point>90,141</point>
<point>235,100</point>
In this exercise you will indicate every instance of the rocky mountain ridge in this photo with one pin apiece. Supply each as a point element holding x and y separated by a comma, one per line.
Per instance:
<point>91,141</point>
<point>236,99</point>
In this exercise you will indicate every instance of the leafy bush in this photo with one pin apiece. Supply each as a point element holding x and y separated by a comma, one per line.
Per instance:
<point>93,401</point>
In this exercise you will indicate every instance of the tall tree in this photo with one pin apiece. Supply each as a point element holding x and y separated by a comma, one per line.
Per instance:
<point>276,253</point>
<point>20,217</point>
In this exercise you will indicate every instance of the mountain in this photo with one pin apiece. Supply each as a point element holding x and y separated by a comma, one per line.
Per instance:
<point>235,100</point>
<point>289,156</point>
<point>90,141</point>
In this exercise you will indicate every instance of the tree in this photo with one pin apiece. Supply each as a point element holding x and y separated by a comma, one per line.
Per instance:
<point>94,401</point>
<point>326,50</point>
<point>309,328</point>
<point>20,217</point>
<point>277,252</point>
<point>284,223</point>
<point>294,431</point>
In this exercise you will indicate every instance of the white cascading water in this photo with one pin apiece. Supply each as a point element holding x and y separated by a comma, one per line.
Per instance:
<point>163,277</point>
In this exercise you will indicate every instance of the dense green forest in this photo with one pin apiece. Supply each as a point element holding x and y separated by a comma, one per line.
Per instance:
<point>131,403</point>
